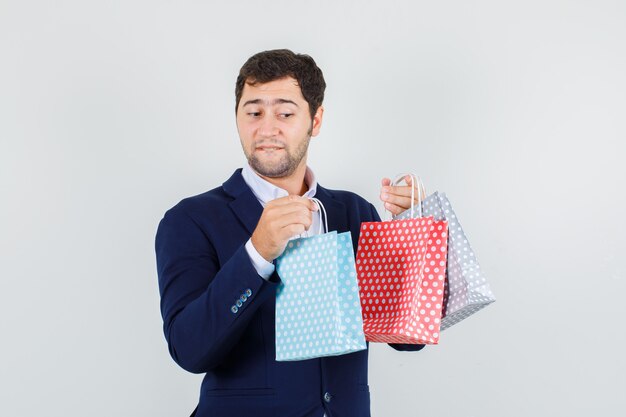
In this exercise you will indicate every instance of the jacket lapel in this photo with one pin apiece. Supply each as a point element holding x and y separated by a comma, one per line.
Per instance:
<point>245,205</point>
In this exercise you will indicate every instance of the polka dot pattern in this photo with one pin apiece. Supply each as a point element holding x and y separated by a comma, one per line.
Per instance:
<point>467,290</point>
<point>401,273</point>
<point>318,311</point>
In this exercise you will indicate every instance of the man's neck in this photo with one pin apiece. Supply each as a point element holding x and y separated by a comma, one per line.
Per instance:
<point>293,184</point>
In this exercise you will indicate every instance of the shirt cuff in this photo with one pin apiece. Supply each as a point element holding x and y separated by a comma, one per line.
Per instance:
<point>262,266</point>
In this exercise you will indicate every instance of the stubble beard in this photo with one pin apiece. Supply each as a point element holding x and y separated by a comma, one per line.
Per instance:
<point>286,165</point>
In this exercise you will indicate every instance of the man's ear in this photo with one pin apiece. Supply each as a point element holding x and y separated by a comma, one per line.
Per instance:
<point>317,121</point>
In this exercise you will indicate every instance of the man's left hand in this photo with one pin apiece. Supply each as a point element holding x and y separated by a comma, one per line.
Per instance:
<point>398,198</point>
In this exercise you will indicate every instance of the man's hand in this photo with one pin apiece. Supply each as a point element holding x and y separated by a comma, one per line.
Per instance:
<point>281,220</point>
<point>398,198</point>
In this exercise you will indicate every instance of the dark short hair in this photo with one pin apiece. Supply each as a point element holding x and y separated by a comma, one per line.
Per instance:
<point>272,65</point>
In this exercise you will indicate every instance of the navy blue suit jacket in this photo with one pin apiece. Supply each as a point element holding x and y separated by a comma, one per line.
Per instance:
<point>204,270</point>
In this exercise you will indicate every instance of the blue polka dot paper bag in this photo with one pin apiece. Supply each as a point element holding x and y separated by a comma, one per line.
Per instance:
<point>318,311</point>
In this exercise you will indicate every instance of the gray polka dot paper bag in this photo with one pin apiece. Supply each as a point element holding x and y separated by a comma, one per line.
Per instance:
<point>466,290</point>
<point>318,312</point>
<point>401,271</point>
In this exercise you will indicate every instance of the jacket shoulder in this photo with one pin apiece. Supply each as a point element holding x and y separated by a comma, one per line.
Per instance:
<point>215,199</point>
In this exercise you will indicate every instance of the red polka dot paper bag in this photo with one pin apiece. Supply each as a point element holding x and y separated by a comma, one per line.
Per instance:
<point>467,290</point>
<point>401,272</point>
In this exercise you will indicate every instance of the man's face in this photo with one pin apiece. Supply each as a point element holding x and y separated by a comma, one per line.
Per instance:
<point>275,127</point>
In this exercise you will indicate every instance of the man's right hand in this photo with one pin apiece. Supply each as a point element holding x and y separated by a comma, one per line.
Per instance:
<point>281,220</point>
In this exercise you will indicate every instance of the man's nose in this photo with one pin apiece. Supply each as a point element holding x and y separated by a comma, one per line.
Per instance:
<point>268,127</point>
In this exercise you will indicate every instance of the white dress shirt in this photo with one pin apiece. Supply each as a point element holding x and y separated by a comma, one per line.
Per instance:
<point>265,192</point>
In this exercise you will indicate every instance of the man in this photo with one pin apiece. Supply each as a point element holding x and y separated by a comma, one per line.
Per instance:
<point>215,254</point>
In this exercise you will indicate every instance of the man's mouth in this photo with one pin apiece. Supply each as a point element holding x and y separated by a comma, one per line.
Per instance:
<point>268,148</point>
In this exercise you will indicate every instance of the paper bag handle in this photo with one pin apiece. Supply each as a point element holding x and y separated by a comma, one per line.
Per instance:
<point>324,217</point>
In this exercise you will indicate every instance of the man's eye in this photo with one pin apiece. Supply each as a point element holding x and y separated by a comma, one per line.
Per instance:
<point>286,115</point>
<point>254,114</point>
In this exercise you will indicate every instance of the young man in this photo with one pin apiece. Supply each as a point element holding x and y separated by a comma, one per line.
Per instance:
<point>215,253</point>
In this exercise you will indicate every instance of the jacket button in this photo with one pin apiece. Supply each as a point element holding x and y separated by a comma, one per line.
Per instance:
<point>238,303</point>
<point>234,309</point>
<point>243,298</point>
<point>248,292</point>
<point>327,397</point>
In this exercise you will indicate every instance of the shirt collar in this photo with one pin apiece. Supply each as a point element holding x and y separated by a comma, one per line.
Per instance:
<point>265,191</point>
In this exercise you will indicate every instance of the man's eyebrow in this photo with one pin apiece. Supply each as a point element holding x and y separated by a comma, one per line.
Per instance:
<point>273,103</point>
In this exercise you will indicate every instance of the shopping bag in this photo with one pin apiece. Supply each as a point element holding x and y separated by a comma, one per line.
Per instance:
<point>401,272</point>
<point>318,312</point>
<point>467,290</point>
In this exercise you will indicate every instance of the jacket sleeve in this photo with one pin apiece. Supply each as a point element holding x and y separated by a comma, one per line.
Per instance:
<point>205,306</point>
<point>396,346</point>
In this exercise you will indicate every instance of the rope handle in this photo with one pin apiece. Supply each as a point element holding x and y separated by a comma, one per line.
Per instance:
<point>322,217</point>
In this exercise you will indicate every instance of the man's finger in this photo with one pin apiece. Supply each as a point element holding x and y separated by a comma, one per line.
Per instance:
<point>283,213</point>
<point>401,190</point>
<point>299,217</point>
<point>400,201</point>
<point>409,181</point>
<point>395,210</point>
<point>292,230</point>
<point>294,200</point>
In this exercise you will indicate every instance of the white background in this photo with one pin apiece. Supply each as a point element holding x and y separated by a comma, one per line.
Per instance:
<point>113,111</point>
